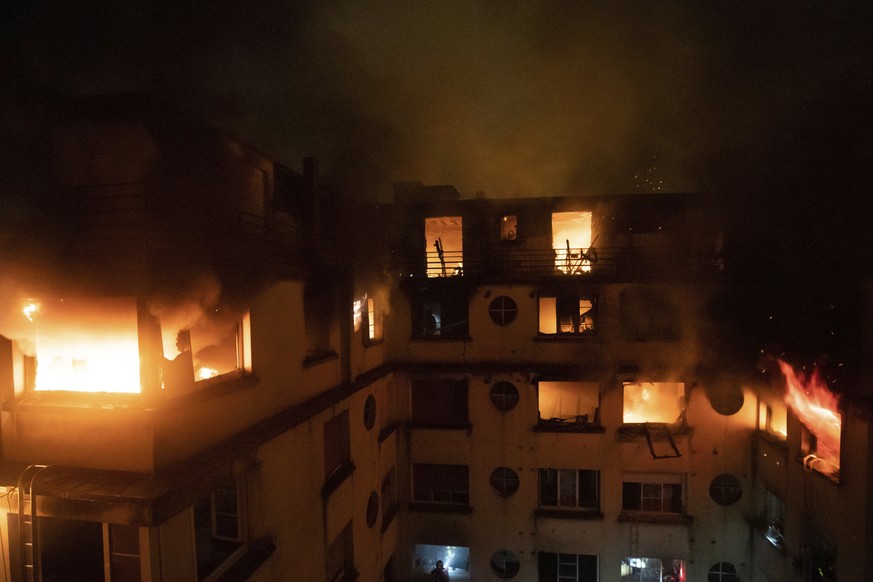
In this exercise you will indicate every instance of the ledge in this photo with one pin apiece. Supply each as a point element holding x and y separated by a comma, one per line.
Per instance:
<point>467,426</point>
<point>320,357</point>
<point>436,338</point>
<point>388,517</point>
<point>567,425</point>
<point>655,518</point>
<point>335,479</point>
<point>581,514</point>
<point>440,508</point>
<point>387,431</point>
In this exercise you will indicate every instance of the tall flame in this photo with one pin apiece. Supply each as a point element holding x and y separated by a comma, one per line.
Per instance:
<point>818,409</point>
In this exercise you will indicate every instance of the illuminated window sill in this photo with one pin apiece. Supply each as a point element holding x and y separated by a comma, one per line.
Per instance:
<point>581,514</point>
<point>771,438</point>
<point>655,517</point>
<point>560,337</point>
<point>567,425</point>
<point>809,466</point>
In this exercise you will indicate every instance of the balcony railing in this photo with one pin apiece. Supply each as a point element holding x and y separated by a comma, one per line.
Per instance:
<point>605,262</point>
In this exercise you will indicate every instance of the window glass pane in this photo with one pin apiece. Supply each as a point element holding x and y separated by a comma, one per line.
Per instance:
<point>567,482</point>
<point>588,489</point>
<point>549,487</point>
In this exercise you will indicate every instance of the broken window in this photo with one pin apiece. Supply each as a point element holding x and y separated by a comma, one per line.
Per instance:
<point>662,402</point>
<point>567,314</point>
<point>566,567</point>
<point>570,489</point>
<point>441,315</point>
<point>439,401</point>
<point>444,246</point>
<point>569,402</point>
<point>218,526</point>
<point>659,493</point>
<point>571,240</point>
<point>509,228</point>
<point>441,484</point>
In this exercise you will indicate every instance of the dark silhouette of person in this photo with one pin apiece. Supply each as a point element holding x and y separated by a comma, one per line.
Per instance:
<point>439,574</point>
<point>178,373</point>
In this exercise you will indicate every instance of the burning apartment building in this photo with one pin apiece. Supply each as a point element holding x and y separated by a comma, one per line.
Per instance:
<point>212,370</point>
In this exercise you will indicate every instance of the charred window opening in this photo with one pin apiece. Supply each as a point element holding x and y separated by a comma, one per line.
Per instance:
<point>654,402</point>
<point>567,314</point>
<point>571,241</point>
<point>441,484</point>
<point>563,403</point>
<point>439,401</point>
<point>656,493</point>
<point>218,526</point>
<point>509,228</point>
<point>570,489</point>
<point>774,519</point>
<point>318,319</point>
<point>441,315</point>
<point>444,246</point>
<point>648,314</point>
<point>773,418</point>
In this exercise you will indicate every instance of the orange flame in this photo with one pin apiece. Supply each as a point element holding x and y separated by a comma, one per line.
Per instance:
<point>818,409</point>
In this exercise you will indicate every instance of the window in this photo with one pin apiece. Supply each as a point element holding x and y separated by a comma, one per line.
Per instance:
<point>503,310</point>
<point>504,395</point>
<point>439,401</point>
<point>441,315</point>
<point>504,564</point>
<point>341,557</point>
<point>654,402</point>
<point>374,319</point>
<point>574,402</point>
<point>444,246</point>
<point>725,489</point>
<point>124,553</point>
<point>726,400</point>
<point>372,509</point>
<point>566,567</point>
<point>336,444</point>
<point>504,481</point>
<point>508,228</point>
<point>217,345</point>
<point>456,560</point>
<point>318,317</point>
<point>570,489</point>
<point>389,498</point>
<point>773,417</point>
<point>218,528</point>
<point>658,493</point>
<point>634,569</point>
<point>723,572</point>
<point>571,239</point>
<point>370,412</point>
<point>648,314</point>
<point>567,314</point>
<point>441,484</point>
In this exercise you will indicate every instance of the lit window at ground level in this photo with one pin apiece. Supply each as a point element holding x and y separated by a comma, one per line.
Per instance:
<point>639,569</point>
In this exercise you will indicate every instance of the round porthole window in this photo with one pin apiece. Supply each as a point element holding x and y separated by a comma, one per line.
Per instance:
<point>503,310</point>
<point>372,509</point>
<point>504,395</point>
<point>504,481</point>
<point>504,564</point>
<point>726,401</point>
<point>725,489</point>
<point>723,572</point>
<point>370,412</point>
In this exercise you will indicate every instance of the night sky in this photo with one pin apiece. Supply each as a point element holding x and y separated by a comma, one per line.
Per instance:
<point>765,106</point>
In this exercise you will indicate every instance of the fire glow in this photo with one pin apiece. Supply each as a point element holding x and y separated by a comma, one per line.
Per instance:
<point>817,409</point>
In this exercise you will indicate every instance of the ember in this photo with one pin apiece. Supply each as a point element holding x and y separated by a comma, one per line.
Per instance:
<point>817,409</point>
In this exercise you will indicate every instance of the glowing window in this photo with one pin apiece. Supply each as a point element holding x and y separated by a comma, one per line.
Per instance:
<point>444,246</point>
<point>508,227</point>
<point>83,344</point>
<point>578,401</point>
<point>571,240</point>
<point>567,315</point>
<point>638,569</point>
<point>654,402</point>
<point>374,321</point>
<point>357,317</point>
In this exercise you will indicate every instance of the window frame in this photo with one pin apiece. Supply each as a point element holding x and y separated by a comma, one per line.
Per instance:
<point>567,305</point>
<point>558,573</point>
<point>373,322</point>
<point>430,493</point>
<point>590,479</point>
<point>241,537</point>
<point>651,488</point>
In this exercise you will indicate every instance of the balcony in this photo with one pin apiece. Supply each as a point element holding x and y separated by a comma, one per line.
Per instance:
<point>602,263</point>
